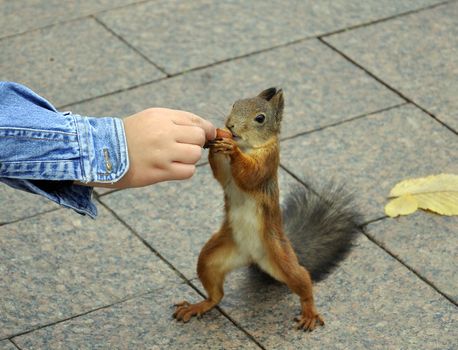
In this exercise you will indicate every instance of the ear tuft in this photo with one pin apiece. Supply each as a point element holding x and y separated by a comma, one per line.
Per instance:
<point>279,103</point>
<point>268,93</point>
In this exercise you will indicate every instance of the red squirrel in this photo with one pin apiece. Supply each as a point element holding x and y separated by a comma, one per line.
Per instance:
<point>255,230</point>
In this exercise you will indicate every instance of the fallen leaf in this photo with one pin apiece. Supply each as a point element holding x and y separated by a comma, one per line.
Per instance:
<point>437,193</point>
<point>444,203</point>
<point>403,205</point>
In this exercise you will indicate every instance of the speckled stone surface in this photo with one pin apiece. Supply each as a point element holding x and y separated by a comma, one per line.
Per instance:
<point>141,323</point>
<point>181,35</point>
<point>317,94</point>
<point>17,204</point>
<point>185,213</point>
<point>426,242</point>
<point>73,61</point>
<point>370,302</point>
<point>22,16</point>
<point>68,282</point>
<point>370,155</point>
<point>60,264</point>
<point>416,54</point>
<point>7,345</point>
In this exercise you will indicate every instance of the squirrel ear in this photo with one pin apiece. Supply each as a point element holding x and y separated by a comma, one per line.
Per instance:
<point>278,102</point>
<point>268,93</point>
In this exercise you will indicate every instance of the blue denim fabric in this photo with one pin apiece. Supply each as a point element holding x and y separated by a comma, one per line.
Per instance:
<point>43,150</point>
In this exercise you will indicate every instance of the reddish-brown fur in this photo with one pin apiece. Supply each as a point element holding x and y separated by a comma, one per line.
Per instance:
<point>253,174</point>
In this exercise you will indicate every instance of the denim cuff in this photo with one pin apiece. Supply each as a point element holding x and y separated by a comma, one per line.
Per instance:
<point>44,151</point>
<point>103,149</point>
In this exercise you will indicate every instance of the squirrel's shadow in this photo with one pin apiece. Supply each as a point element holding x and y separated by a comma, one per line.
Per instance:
<point>258,277</point>
<point>260,285</point>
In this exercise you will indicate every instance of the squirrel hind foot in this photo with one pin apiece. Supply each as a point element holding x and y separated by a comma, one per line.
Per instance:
<point>185,311</point>
<point>308,322</point>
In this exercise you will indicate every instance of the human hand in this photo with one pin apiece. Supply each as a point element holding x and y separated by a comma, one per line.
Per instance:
<point>163,144</point>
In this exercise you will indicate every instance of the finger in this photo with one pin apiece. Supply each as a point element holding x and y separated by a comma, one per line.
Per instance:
<point>181,171</point>
<point>190,134</point>
<point>186,153</point>
<point>186,118</point>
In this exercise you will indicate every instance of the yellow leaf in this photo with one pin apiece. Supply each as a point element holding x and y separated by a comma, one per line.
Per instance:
<point>444,203</point>
<point>437,193</point>
<point>433,183</point>
<point>403,205</point>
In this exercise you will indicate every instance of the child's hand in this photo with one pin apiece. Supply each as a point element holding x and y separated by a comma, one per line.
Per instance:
<point>163,144</point>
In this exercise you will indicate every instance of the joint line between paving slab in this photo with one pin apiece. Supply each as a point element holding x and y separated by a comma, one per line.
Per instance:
<point>373,240</point>
<point>411,269</point>
<point>380,245</point>
<point>344,121</point>
<point>372,221</point>
<point>297,41</point>
<point>131,229</point>
<point>14,344</point>
<point>385,19</point>
<point>198,68</point>
<point>310,187</point>
<point>182,276</point>
<point>8,36</point>
<point>239,327</point>
<point>133,87</point>
<point>71,20</point>
<point>128,44</point>
<point>372,75</point>
<point>190,70</point>
<point>30,216</point>
<point>122,300</point>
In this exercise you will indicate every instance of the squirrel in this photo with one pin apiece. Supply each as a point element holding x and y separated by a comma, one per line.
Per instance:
<point>255,230</point>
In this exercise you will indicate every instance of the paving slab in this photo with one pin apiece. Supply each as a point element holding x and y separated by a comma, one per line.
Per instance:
<point>177,218</point>
<point>317,93</point>
<point>140,323</point>
<point>73,61</point>
<point>181,35</point>
<point>426,242</point>
<point>60,264</point>
<point>370,302</point>
<point>371,154</point>
<point>20,16</point>
<point>7,345</point>
<point>416,54</point>
<point>17,204</point>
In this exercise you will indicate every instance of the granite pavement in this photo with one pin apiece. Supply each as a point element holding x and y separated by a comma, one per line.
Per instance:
<point>371,93</point>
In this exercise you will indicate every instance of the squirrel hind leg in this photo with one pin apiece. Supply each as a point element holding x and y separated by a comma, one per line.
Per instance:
<point>285,268</point>
<point>213,281</point>
<point>218,257</point>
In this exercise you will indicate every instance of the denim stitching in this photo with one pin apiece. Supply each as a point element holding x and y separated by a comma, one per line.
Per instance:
<point>78,136</point>
<point>35,138</point>
<point>38,130</point>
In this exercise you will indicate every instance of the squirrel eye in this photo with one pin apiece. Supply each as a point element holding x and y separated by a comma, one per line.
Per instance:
<point>260,118</point>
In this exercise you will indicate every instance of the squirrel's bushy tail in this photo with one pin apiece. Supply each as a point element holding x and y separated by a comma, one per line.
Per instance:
<point>321,227</point>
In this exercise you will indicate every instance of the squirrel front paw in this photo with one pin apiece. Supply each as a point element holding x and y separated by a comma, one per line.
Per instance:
<point>308,321</point>
<point>224,146</point>
<point>184,310</point>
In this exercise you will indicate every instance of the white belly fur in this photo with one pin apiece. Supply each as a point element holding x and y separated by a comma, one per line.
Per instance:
<point>245,221</point>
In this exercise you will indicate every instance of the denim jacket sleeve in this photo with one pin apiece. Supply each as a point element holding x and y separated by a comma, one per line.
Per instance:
<point>43,150</point>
